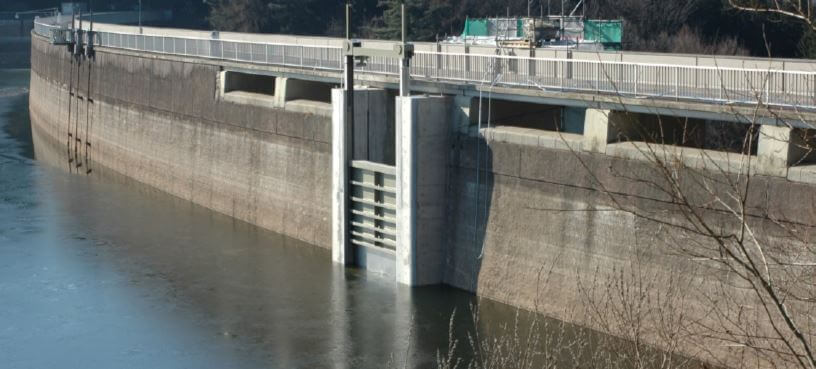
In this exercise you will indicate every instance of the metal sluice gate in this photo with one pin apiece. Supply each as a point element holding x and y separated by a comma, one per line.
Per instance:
<point>373,210</point>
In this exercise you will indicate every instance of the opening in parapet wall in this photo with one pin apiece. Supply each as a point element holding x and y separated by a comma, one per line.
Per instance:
<point>298,89</point>
<point>250,83</point>
<point>803,147</point>
<point>704,134</point>
<point>507,113</point>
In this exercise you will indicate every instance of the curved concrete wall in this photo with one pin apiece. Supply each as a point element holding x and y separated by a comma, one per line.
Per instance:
<point>162,123</point>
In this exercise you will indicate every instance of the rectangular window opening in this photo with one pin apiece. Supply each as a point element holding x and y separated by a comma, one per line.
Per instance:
<point>249,83</point>
<point>803,150</point>
<point>308,91</point>
<point>508,113</point>
<point>724,136</point>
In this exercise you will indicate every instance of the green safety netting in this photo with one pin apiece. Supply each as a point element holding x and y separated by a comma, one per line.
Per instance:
<point>481,27</point>
<point>604,31</point>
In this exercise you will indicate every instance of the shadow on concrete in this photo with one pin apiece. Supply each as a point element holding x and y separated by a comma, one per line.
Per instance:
<point>471,198</point>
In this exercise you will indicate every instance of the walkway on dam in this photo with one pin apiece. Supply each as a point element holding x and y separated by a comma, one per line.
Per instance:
<point>787,84</point>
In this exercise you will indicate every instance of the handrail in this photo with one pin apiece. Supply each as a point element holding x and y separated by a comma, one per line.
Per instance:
<point>613,62</point>
<point>711,84</point>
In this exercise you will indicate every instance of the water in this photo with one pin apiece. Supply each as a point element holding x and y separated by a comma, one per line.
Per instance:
<point>100,272</point>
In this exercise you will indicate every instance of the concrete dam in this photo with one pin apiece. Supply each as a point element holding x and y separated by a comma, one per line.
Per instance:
<point>521,175</point>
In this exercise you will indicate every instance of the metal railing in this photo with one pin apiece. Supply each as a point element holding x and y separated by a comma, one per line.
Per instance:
<point>659,81</point>
<point>373,202</point>
<point>303,56</point>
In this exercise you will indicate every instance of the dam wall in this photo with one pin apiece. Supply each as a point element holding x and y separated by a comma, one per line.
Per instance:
<point>528,221</point>
<point>162,123</point>
<point>562,223</point>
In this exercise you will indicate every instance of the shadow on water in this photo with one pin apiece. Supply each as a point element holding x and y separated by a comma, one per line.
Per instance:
<point>14,109</point>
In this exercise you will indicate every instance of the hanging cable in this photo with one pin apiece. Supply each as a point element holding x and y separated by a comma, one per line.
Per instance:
<point>70,102</point>
<point>494,71</point>
<point>88,101</point>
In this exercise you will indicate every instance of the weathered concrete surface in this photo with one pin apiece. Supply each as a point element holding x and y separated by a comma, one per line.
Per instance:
<point>422,148</point>
<point>531,227</point>
<point>160,122</point>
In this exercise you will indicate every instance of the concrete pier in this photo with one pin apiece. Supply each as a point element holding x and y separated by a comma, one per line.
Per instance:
<point>422,151</point>
<point>776,151</point>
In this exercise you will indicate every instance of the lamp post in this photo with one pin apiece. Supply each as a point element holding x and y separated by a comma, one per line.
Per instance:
<point>140,16</point>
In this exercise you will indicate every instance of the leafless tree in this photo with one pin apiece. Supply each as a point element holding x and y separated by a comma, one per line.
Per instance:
<point>796,9</point>
<point>759,266</point>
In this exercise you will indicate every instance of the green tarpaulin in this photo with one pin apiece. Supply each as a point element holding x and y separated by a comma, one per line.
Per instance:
<point>604,31</point>
<point>488,27</point>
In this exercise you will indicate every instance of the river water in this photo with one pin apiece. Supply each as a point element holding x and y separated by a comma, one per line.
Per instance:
<point>100,272</point>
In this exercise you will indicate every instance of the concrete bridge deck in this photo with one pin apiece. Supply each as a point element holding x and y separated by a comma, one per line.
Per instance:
<point>722,88</point>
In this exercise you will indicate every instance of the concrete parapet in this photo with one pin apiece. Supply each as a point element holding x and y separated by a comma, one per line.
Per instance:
<point>597,130</point>
<point>774,151</point>
<point>533,137</point>
<point>422,151</point>
<point>341,154</point>
<point>602,127</point>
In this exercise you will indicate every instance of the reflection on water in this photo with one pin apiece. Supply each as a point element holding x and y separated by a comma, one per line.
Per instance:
<point>98,272</point>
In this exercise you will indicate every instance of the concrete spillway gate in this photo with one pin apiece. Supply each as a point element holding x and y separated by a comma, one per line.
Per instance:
<point>389,180</point>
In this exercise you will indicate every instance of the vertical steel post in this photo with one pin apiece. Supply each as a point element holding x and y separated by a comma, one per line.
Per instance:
<point>349,78</point>
<point>405,68</point>
<point>677,82</point>
<point>348,129</point>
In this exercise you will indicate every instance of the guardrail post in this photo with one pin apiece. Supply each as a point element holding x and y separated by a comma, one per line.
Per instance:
<point>467,62</point>
<point>438,60</point>
<point>598,82</point>
<point>722,85</point>
<point>562,69</point>
<point>677,83</point>
<point>301,55</point>
<point>768,87</point>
